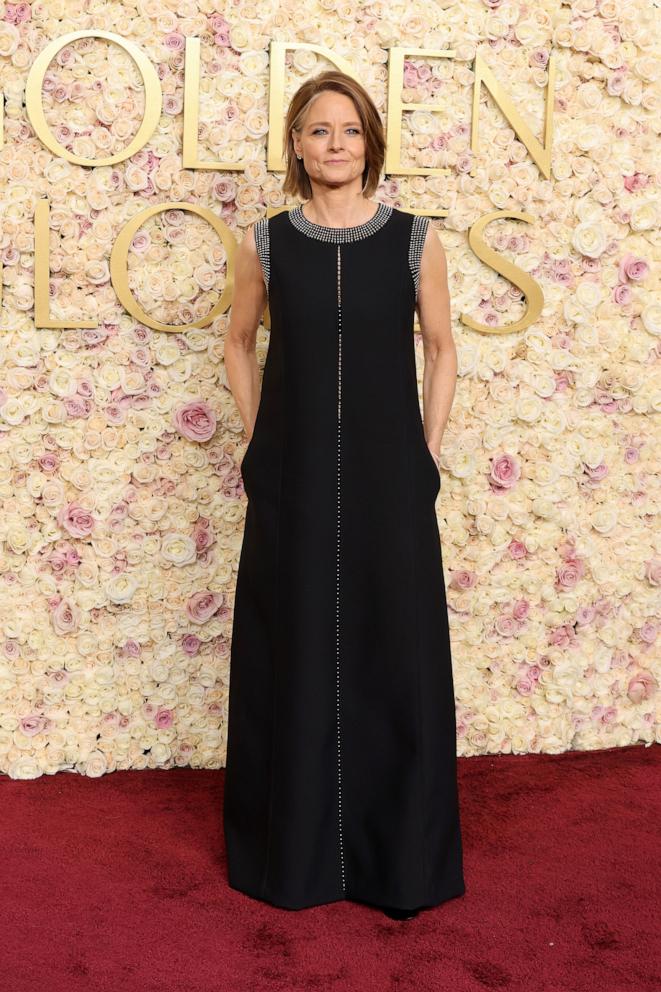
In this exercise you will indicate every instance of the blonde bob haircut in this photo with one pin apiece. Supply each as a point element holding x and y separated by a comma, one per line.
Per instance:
<point>296,179</point>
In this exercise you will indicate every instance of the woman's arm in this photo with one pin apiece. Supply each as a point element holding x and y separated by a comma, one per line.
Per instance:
<point>248,304</point>
<point>440,375</point>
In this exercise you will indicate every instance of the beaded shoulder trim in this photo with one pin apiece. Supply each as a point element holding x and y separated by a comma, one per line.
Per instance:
<point>418,235</point>
<point>261,231</point>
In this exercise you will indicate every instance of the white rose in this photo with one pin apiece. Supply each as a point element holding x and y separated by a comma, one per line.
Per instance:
<point>13,410</point>
<point>543,384</point>
<point>589,239</point>
<point>604,519</point>
<point>18,538</point>
<point>528,408</point>
<point>9,41</point>
<point>161,752</point>
<point>179,549</point>
<point>62,383</point>
<point>643,216</point>
<point>108,376</point>
<point>121,588</point>
<point>593,454</point>
<point>132,383</point>
<point>651,318</point>
<point>26,766</point>
<point>166,351</point>
<point>94,766</point>
<point>588,294</point>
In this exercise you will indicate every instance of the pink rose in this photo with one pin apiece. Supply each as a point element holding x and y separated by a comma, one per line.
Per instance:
<point>203,535</point>
<point>174,42</point>
<point>505,471</point>
<point>190,644</point>
<point>653,571</point>
<point>622,294</point>
<point>48,462</point>
<point>462,579</point>
<point>648,632</point>
<point>633,268</point>
<point>524,686</point>
<point>585,615</point>
<point>521,609</point>
<point>596,472</point>
<point>569,573</point>
<point>506,626</point>
<point>517,549</point>
<point>164,718</point>
<point>563,636</point>
<point>410,75</point>
<point>202,605</point>
<point>75,519</point>
<point>641,687</point>
<point>563,380</point>
<point>65,618</point>
<point>18,13</point>
<point>33,725</point>
<point>223,189</point>
<point>196,421</point>
<point>131,649</point>
<point>639,180</point>
<point>11,649</point>
<point>217,22</point>
<point>58,561</point>
<point>78,406</point>
<point>631,455</point>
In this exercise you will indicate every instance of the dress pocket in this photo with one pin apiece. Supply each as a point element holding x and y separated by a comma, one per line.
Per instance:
<point>434,472</point>
<point>255,431</point>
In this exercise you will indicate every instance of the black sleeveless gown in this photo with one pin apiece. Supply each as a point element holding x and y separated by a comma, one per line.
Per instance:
<point>340,778</point>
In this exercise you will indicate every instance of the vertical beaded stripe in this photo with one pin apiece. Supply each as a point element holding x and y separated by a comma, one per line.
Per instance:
<point>337,560</point>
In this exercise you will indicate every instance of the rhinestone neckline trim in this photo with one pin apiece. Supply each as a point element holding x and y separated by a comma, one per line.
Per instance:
<point>340,234</point>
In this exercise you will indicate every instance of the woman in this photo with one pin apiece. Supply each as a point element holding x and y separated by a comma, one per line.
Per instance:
<point>340,778</point>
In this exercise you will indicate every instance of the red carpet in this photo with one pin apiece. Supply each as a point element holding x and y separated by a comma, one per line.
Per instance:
<point>118,884</point>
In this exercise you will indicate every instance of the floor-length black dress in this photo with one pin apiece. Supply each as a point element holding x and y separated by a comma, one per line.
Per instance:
<point>340,778</point>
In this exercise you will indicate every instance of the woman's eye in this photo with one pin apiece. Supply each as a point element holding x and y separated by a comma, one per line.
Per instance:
<point>318,129</point>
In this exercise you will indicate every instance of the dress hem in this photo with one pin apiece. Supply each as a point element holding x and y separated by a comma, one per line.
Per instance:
<point>374,902</point>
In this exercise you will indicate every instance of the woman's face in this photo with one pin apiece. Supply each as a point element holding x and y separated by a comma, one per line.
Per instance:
<point>332,141</point>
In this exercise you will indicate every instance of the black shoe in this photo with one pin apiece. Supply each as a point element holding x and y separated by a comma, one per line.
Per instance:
<point>399,914</point>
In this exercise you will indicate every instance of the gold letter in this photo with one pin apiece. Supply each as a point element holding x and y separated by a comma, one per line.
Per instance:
<point>396,108</point>
<point>189,159</point>
<point>153,98</point>
<point>540,154</point>
<point>526,283</point>
<point>119,265</point>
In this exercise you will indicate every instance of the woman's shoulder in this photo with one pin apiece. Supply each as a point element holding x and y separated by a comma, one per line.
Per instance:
<point>267,223</point>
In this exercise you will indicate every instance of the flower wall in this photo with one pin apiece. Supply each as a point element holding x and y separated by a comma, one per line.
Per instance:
<point>120,446</point>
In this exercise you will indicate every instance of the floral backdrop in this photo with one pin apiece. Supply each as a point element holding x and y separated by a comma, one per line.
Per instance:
<point>120,446</point>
